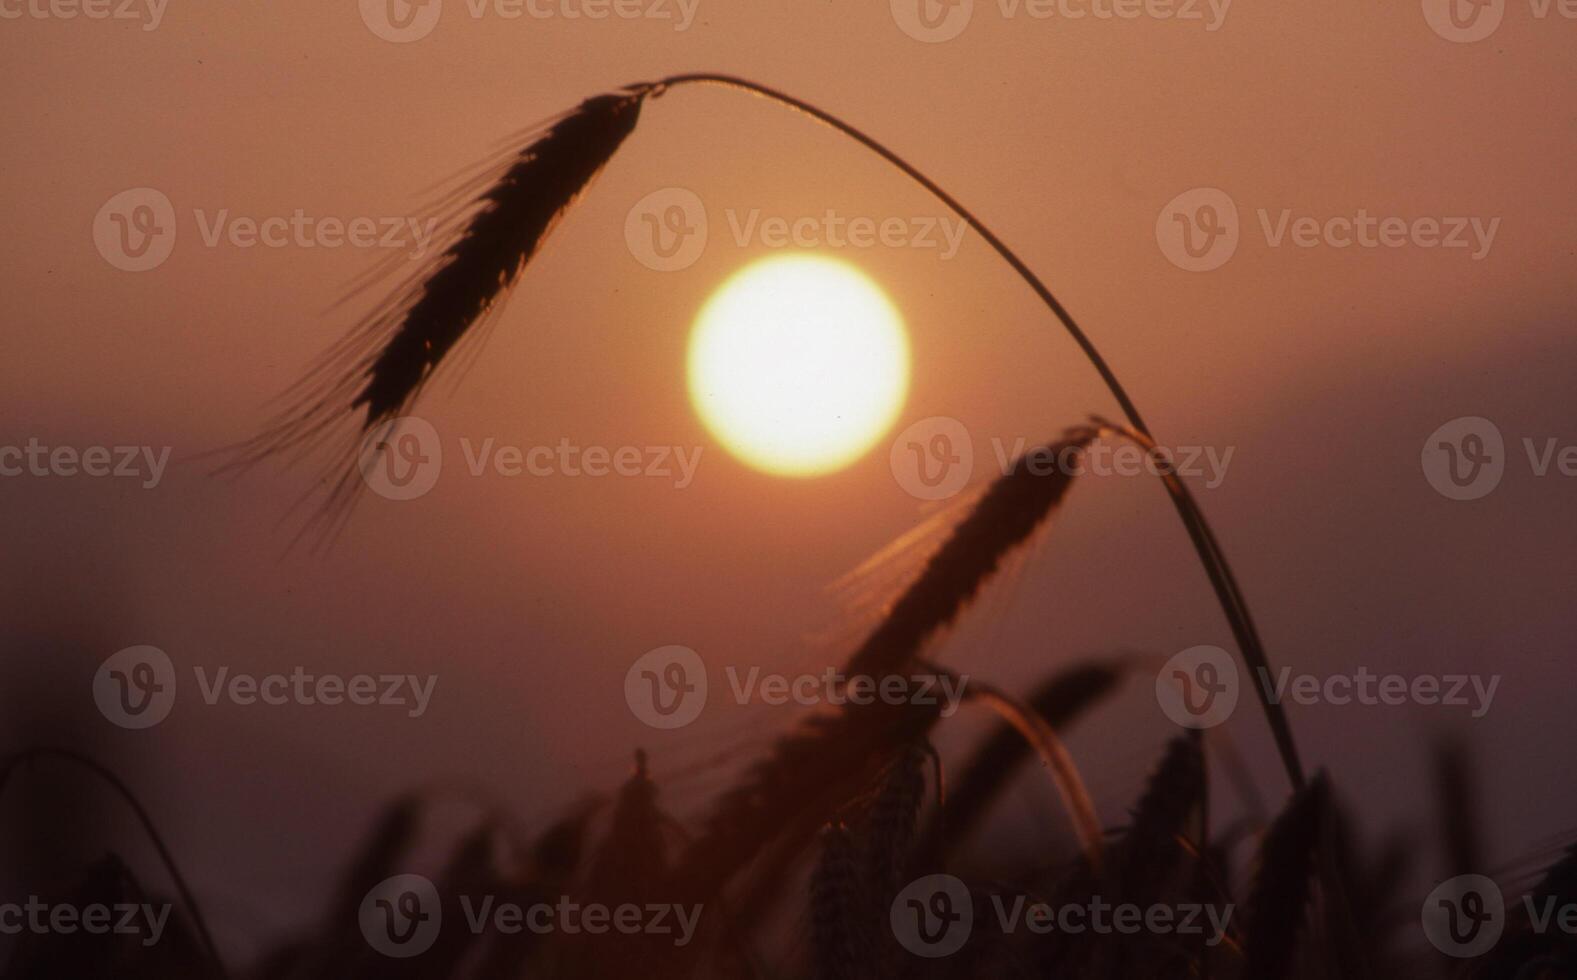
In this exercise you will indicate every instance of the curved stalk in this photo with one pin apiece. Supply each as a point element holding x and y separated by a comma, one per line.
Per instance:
<point>163,849</point>
<point>1217,569</point>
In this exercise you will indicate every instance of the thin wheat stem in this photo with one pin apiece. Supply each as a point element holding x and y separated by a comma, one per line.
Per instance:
<point>1217,568</point>
<point>1226,589</point>
<point>125,793</point>
<point>980,228</point>
<point>1054,755</point>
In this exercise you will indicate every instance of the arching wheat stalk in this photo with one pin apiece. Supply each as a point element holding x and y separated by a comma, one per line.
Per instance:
<point>381,368</point>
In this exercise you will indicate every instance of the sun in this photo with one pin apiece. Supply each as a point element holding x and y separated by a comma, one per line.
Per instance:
<point>798,364</point>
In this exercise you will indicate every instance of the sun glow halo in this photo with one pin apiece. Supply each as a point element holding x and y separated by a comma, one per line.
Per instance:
<point>798,364</point>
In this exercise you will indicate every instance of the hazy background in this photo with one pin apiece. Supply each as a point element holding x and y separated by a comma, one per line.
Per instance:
<point>1323,369</point>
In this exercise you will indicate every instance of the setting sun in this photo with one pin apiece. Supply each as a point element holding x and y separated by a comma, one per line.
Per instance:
<point>798,364</point>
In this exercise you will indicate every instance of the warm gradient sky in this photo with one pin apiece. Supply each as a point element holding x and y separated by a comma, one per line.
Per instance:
<point>1323,369</point>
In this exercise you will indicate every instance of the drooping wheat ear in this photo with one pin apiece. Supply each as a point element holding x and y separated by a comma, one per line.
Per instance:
<point>1059,701</point>
<point>380,368</point>
<point>1158,836</point>
<point>839,911</point>
<point>1278,903</point>
<point>894,817</point>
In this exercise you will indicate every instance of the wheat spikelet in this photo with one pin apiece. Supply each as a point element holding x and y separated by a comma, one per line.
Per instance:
<point>1156,838</point>
<point>810,774</point>
<point>380,368</point>
<point>1277,904</point>
<point>1010,510</point>
<point>838,910</point>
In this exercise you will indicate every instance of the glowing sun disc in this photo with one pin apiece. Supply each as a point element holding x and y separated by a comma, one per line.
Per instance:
<point>798,364</point>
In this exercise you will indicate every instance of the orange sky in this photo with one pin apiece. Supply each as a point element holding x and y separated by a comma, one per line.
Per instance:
<point>1324,368</point>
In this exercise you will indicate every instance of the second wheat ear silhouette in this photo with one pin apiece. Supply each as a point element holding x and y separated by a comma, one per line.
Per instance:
<point>372,376</point>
